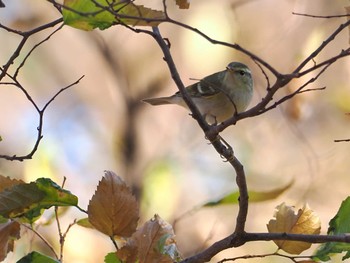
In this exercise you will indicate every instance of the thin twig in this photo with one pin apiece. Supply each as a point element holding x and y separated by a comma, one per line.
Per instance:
<point>114,243</point>
<point>321,47</point>
<point>41,113</point>
<point>32,50</point>
<point>42,238</point>
<point>61,239</point>
<point>25,36</point>
<point>63,235</point>
<point>318,16</point>
<point>254,256</point>
<point>342,140</point>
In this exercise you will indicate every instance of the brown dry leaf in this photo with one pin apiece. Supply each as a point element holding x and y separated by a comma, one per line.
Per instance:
<point>8,233</point>
<point>141,14</point>
<point>183,4</point>
<point>347,9</point>
<point>128,253</point>
<point>286,221</point>
<point>7,182</point>
<point>113,209</point>
<point>156,242</point>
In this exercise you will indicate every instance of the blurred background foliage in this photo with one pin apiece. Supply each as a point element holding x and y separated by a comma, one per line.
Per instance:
<point>100,124</point>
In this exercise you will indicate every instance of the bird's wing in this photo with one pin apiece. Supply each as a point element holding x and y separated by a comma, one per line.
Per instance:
<point>207,87</point>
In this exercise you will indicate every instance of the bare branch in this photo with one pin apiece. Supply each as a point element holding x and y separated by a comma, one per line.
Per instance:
<point>322,46</point>
<point>232,240</point>
<point>342,140</point>
<point>25,37</point>
<point>316,16</point>
<point>41,120</point>
<point>42,239</point>
<point>32,50</point>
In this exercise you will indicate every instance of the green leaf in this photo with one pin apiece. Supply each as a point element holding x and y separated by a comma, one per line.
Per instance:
<point>112,258</point>
<point>3,220</point>
<point>28,199</point>
<point>84,222</point>
<point>87,15</point>
<point>339,224</point>
<point>54,194</point>
<point>36,257</point>
<point>254,196</point>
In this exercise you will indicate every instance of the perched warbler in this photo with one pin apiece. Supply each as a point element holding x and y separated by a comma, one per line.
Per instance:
<point>218,96</point>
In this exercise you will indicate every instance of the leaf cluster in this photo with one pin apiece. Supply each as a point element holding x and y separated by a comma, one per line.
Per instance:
<point>112,210</point>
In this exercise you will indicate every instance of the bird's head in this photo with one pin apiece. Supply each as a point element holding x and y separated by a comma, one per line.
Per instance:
<point>240,74</point>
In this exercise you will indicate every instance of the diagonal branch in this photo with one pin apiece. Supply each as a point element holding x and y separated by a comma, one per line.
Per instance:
<point>32,50</point>
<point>223,149</point>
<point>25,37</point>
<point>41,120</point>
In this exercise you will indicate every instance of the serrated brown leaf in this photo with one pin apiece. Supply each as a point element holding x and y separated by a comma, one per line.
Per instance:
<point>152,237</point>
<point>287,221</point>
<point>8,233</point>
<point>140,13</point>
<point>113,210</point>
<point>183,4</point>
<point>7,182</point>
<point>128,253</point>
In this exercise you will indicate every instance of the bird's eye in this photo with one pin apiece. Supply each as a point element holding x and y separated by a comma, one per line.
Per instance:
<point>241,72</point>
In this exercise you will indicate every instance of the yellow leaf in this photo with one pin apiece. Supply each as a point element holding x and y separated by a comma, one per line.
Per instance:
<point>113,209</point>
<point>305,221</point>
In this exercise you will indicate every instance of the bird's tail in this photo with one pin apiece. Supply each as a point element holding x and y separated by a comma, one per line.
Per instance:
<point>158,101</point>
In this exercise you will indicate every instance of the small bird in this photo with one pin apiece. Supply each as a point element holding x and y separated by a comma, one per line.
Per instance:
<point>218,96</point>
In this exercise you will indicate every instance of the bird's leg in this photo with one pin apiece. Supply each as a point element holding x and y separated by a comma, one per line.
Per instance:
<point>228,150</point>
<point>225,150</point>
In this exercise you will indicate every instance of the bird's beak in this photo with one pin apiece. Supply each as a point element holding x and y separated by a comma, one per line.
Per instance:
<point>230,69</point>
